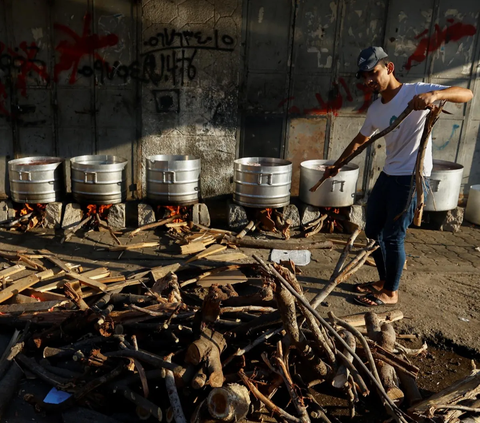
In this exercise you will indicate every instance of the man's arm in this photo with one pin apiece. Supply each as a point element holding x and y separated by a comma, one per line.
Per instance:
<point>356,143</point>
<point>452,94</point>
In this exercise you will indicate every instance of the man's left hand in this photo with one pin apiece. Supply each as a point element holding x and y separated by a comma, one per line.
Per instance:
<point>423,101</point>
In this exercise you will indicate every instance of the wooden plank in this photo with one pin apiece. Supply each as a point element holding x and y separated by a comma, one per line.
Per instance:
<point>134,246</point>
<point>228,257</point>
<point>71,275</point>
<point>9,271</point>
<point>99,273</point>
<point>224,278</point>
<point>209,251</point>
<point>18,286</point>
<point>160,272</point>
<point>192,248</point>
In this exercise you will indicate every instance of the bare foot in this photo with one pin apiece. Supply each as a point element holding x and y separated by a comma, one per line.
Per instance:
<point>367,287</point>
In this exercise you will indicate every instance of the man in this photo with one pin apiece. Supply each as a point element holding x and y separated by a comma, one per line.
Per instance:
<point>391,192</point>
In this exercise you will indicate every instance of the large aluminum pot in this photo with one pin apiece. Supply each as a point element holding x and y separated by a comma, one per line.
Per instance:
<point>262,182</point>
<point>173,179</point>
<point>99,179</point>
<point>472,212</point>
<point>36,180</point>
<point>338,191</point>
<point>445,183</point>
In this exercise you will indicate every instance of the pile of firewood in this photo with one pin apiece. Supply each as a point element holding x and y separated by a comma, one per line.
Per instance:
<point>198,344</point>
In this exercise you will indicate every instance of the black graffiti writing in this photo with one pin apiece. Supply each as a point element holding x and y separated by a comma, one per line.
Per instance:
<point>174,67</point>
<point>174,39</point>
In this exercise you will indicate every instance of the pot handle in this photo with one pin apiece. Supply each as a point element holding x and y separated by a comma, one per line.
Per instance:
<point>434,184</point>
<point>335,182</point>
<point>269,178</point>
<point>22,173</point>
<point>94,174</point>
<point>168,172</point>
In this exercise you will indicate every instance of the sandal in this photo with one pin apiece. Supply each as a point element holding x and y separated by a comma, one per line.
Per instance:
<point>367,300</point>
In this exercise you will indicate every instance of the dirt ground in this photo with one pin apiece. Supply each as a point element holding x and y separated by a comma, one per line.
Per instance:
<point>439,292</point>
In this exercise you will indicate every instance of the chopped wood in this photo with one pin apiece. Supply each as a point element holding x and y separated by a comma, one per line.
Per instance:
<point>160,272</point>
<point>10,271</point>
<point>33,307</point>
<point>229,403</point>
<point>98,273</point>
<point>137,246</point>
<point>387,316</point>
<point>154,225</point>
<point>227,257</point>
<point>192,248</point>
<point>209,251</point>
<point>173,396</point>
<point>249,227</point>
<point>224,278</point>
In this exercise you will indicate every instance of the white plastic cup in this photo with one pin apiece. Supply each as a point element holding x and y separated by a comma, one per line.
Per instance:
<point>472,212</point>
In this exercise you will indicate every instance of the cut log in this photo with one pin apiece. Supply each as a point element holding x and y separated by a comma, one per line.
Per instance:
<point>279,244</point>
<point>359,319</point>
<point>9,387</point>
<point>208,348</point>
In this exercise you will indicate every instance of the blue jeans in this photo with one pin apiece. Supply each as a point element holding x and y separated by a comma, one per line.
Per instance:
<point>388,199</point>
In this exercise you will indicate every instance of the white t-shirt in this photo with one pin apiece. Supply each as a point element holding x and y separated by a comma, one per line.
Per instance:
<point>403,142</point>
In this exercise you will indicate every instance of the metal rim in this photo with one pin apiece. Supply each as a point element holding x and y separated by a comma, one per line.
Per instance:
<point>263,161</point>
<point>308,163</point>
<point>27,161</point>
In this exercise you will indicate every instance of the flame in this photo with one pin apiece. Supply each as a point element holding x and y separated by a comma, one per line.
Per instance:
<point>177,210</point>
<point>34,296</point>
<point>26,209</point>
<point>102,210</point>
<point>174,210</point>
<point>269,212</point>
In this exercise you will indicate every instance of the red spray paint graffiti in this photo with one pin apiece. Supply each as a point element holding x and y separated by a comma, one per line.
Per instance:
<point>27,64</point>
<point>82,45</point>
<point>453,32</point>
<point>336,101</point>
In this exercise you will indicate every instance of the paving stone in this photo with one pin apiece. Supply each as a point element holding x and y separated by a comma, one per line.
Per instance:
<point>308,214</point>
<point>53,215</point>
<point>146,214</point>
<point>200,214</point>
<point>72,216</point>
<point>117,216</point>
<point>237,216</point>
<point>291,212</point>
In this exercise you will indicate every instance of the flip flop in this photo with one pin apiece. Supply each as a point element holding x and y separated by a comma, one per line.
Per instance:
<point>366,286</point>
<point>361,299</point>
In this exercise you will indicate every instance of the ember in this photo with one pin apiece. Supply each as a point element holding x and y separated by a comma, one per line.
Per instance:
<point>101,210</point>
<point>331,220</point>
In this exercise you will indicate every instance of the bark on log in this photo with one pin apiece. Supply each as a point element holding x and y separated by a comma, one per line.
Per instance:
<point>172,392</point>
<point>9,386</point>
<point>208,348</point>
<point>280,244</point>
<point>229,403</point>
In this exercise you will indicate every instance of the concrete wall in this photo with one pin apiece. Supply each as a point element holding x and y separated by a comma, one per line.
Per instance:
<point>219,79</point>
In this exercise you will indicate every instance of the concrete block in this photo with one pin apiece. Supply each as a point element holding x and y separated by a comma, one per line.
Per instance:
<point>3,211</point>
<point>200,214</point>
<point>237,216</point>
<point>117,216</point>
<point>453,220</point>
<point>291,212</point>
<point>357,215</point>
<point>308,214</point>
<point>72,216</point>
<point>11,209</point>
<point>146,214</point>
<point>53,215</point>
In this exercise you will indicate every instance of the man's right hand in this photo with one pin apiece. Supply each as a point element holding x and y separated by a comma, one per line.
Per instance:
<point>331,171</point>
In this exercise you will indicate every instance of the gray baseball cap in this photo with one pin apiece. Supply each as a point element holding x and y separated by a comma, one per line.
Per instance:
<point>368,59</point>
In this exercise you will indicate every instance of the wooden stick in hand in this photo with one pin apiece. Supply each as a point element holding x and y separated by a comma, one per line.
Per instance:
<point>381,134</point>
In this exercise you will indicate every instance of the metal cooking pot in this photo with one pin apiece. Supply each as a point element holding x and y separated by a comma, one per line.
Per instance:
<point>445,182</point>
<point>99,179</point>
<point>338,191</point>
<point>36,180</point>
<point>173,179</point>
<point>262,182</point>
